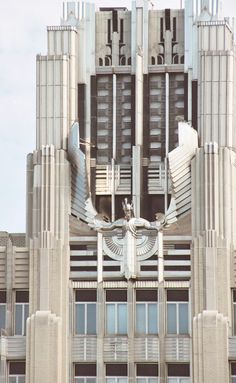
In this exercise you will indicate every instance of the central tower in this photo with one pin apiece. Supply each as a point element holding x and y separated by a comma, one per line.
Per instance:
<point>108,300</point>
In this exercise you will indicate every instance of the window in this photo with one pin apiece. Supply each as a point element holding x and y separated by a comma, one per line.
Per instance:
<point>21,312</point>
<point>85,373</point>
<point>3,300</point>
<point>177,312</point>
<point>233,372</point>
<point>116,373</point>
<point>147,380</point>
<point>16,372</point>
<point>116,312</point>
<point>147,373</point>
<point>85,312</point>
<point>146,312</point>
<point>234,312</point>
<point>178,373</point>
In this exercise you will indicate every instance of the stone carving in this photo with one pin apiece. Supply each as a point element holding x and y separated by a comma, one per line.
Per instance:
<point>131,240</point>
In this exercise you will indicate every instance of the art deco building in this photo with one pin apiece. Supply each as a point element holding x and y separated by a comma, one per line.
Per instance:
<point>127,270</point>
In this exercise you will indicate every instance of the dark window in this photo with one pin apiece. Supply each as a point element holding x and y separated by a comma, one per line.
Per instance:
<point>86,369</point>
<point>159,60</point>
<point>109,31</point>
<point>107,61</point>
<point>3,309</point>
<point>3,296</point>
<point>177,369</point>
<point>86,295</point>
<point>177,295</point>
<point>121,30</point>
<point>181,246</point>
<point>117,369</point>
<point>161,30</point>
<point>174,28</point>
<point>122,60</point>
<point>146,295</point>
<point>146,370</point>
<point>195,104</point>
<point>176,59</point>
<point>233,372</point>
<point>167,19</point>
<point>115,20</point>
<point>22,296</point>
<point>17,368</point>
<point>116,295</point>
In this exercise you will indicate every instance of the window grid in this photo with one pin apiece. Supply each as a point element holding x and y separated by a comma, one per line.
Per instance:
<point>16,379</point>
<point>234,312</point>
<point>2,316</point>
<point>178,379</point>
<point>84,320</point>
<point>177,316</point>
<point>121,379</point>
<point>114,322</point>
<point>147,317</point>
<point>21,315</point>
<point>84,379</point>
<point>150,379</point>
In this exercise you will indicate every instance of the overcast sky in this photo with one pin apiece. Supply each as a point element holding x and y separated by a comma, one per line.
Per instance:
<point>23,35</point>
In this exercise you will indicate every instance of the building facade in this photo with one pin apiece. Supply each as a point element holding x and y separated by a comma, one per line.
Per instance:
<point>126,272</point>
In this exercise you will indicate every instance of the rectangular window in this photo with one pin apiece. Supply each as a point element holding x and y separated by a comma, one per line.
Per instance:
<point>3,309</point>
<point>178,373</point>
<point>161,29</point>
<point>116,373</point>
<point>146,312</point>
<point>234,312</point>
<point>85,312</point>
<point>147,380</point>
<point>174,28</point>
<point>177,312</point>
<point>178,380</point>
<point>21,312</point>
<point>85,373</point>
<point>116,312</point>
<point>147,373</point>
<point>233,372</point>
<point>16,372</point>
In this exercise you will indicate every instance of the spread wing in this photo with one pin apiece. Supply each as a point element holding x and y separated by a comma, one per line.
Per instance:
<point>180,172</point>
<point>81,203</point>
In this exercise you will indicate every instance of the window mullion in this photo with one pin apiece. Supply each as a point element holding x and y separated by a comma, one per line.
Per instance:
<point>177,314</point>
<point>146,317</point>
<point>85,318</point>
<point>23,319</point>
<point>116,318</point>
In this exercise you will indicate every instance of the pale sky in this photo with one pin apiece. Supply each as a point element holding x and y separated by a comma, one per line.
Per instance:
<point>23,35</point>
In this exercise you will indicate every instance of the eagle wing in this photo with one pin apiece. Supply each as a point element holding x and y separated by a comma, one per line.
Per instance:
<point>180,172</point>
